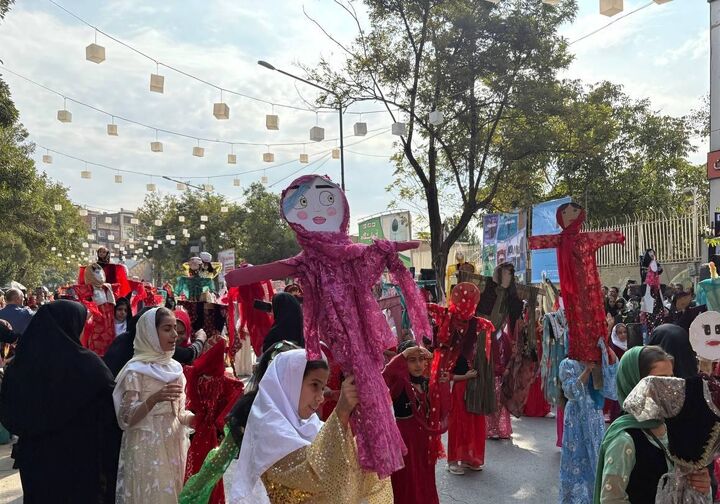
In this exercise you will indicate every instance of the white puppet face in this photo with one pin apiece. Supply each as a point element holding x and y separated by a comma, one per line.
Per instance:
<point>705,335</point>
<point>317,205</point>
<point>94,275</point>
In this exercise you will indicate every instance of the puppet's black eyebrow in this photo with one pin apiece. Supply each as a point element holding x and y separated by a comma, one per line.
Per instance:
<point>324,187</point>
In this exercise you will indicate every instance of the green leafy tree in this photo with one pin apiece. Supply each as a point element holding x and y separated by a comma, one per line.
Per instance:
<point>490,68</point>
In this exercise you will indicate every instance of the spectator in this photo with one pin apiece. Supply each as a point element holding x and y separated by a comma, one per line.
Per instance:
<point>2,299</point>
<point>18,316</point>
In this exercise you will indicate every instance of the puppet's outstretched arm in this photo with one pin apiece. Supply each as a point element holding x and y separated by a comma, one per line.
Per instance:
<point>601,238</point>
<point>253,274</point>
<point>407,245</point>
<point>544,242</point>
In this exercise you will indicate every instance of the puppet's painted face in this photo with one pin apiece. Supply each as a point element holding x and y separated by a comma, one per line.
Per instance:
<point>465,296</point>
<point>705,335</point>
<point>94,275</point>
<point>459,257</point>
<point>569,215</point>
<point>317,205</point>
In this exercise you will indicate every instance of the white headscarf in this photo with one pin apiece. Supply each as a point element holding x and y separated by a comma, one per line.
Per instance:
<point>149,358</point>
<point>616,341</point>
<point>274,428</point>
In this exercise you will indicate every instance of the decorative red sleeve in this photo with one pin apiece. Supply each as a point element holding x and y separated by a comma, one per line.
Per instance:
<point>255,274</point>
<point>600,238</point>
<point>544,242</point>
<point>396,375</point>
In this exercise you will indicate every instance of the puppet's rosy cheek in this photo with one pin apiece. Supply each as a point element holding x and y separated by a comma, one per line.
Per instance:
<point>331,211</point>
<point>302,215</point>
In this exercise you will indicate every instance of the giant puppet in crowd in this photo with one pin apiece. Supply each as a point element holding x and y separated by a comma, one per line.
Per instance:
<point>579,279</point>
<point>198,283</point>
<point>337,276</point>
<point>98,296</point>
<point>114,273</point>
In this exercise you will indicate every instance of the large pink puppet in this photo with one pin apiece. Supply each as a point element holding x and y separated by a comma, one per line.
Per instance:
<point>336,276</point>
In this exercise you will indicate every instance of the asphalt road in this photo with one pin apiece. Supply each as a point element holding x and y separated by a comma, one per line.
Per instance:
<point>524,469</point>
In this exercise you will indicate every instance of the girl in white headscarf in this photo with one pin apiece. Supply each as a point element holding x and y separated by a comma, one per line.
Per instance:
<point>288,454</point>
<point>150,404</point>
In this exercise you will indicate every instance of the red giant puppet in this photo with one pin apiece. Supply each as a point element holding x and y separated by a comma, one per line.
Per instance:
<point>114,273</point>
<point>579,279</point>
<point>98,296</point>
<point>337,276</point>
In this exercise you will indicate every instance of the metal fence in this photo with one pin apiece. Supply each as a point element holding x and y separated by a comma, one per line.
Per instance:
<point>674,237</point>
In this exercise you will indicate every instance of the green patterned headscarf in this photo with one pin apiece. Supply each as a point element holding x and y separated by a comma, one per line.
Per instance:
<point>627,378</point>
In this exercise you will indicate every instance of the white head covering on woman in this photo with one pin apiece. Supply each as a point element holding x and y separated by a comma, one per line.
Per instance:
<point>274,428</point>
<point>149,358</point>
<point>616,340</point>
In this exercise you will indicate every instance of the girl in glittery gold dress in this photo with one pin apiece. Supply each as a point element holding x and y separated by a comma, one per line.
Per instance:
<point>288,455</point>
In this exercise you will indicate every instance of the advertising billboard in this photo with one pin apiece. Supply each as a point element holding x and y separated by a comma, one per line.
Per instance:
<point>394,226</point>
<point>505,240</point>
<point>544,222</point>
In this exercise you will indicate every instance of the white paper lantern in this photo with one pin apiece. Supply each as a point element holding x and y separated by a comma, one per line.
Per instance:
<point>232,159</point>
<point>159,242</point>
<point>236,182</point>
<point>157,83</point>
<point>64,115</point>
<point>72,256</point>
<point>151,187</point>
<point>47,159</point>
<point>146,243</point>
<point>360,129</point>
<point>317,134</point>
<point>198,151</point>
<point>264,180</point>
<point>85,244</point>
<point>660,2</point>
<point>268,157</point>
<point>86,174</point>
<point>168,237</point>
<point>224,209</point>
<point>149,237</point>
<point>172,242</point>
<point>131,246</point>
<point>203,218</point>
<point>272,122</point>
<point>436,117</point>
<point>57,207</point>
<point>110,237</point>
<point>116,245</point>
<point>551,2</point>
<point>221,111</point>
<point>82,212</point>
<point>112,129</point>
<point>304,158</point>
<point>202,226</point>
<point>181,218</point>
<point>611,7</point>
<point>118,179</point>
<point>53,249</point>
<point>59,254</point>
<point>134,221</point>
<point>157,222</point>
<point>91,237</point>
<point>181,187</point>
<point>208,187</point>
<point>71,230</point>
<point>399,129</point>
<point>155,246</point>
<point>156,146</point>
<point>95,53</point>
<point>335,153</point>
<point>493,1</point>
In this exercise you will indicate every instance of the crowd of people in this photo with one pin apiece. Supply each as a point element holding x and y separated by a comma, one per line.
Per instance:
<point>170,414</point>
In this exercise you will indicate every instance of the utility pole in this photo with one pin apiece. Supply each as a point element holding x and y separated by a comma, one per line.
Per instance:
<point>713,166</point>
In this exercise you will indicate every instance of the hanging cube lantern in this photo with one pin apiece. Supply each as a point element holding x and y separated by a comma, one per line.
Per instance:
<point>112,129</point>
<point>181,187</point>
<point>59,254</point>
<point>116,245</point>
<point>53,249</point>
<point>304,158</point>
<point>157,222</point>
<point>236,182</point>
<point>155,246</point>
<point>86,174</point>
<point>493,1</point>
<point>172,242</point>
<point>151,187</point>
<point>611,7</point>
<point>91,237</point>
<point>134,221</point>
<point>82,212</point>
<point>436,117</point>
<point>57,207</point>
<point>232,158</point>
<point>264,180</point>
<point>71,230</point>
<point>272,122</point>
<point>317,134</point>
<point>64,116</point>
<point>72,256</point>
<point>221,111</point>
<point>660,2</point>
<point>157,83</point>
<point>399,129</point>
<point>268,157</point>
<point>159,242</point>
<point>551,2</point>
<point>156,146</point>
<point>149,237</point>
<point>146,243</point>
<point>85,245</point>
<point>198,151</point>
<point>95,53</point>
<point>181,218</point>
<point>47,159</point>
<point>168,237</point>
<point>118,179</point>
<point>203,218</point>
<point>224,209</point>
<point>108,220</point>
<point>360,129</point>
<point>131,246</point>
<point>111,237</point>
<point>202,226</point>
<point>335,153</point>
<point>208,187</point>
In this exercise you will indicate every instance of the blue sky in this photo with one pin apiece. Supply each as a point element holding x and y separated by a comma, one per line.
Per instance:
<point>660,53</point>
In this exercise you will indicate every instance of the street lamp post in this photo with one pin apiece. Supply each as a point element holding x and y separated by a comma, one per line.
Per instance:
<point>339,107</point>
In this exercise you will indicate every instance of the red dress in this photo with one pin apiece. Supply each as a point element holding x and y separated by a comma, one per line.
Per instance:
<point>415,482</point>
<point>498,423</point>
<point>210,395</point>
<point>99,330</point>
<point>114,274</point>
<point>580,283</point>
<point>536,405</point>
<point>466,431</point>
